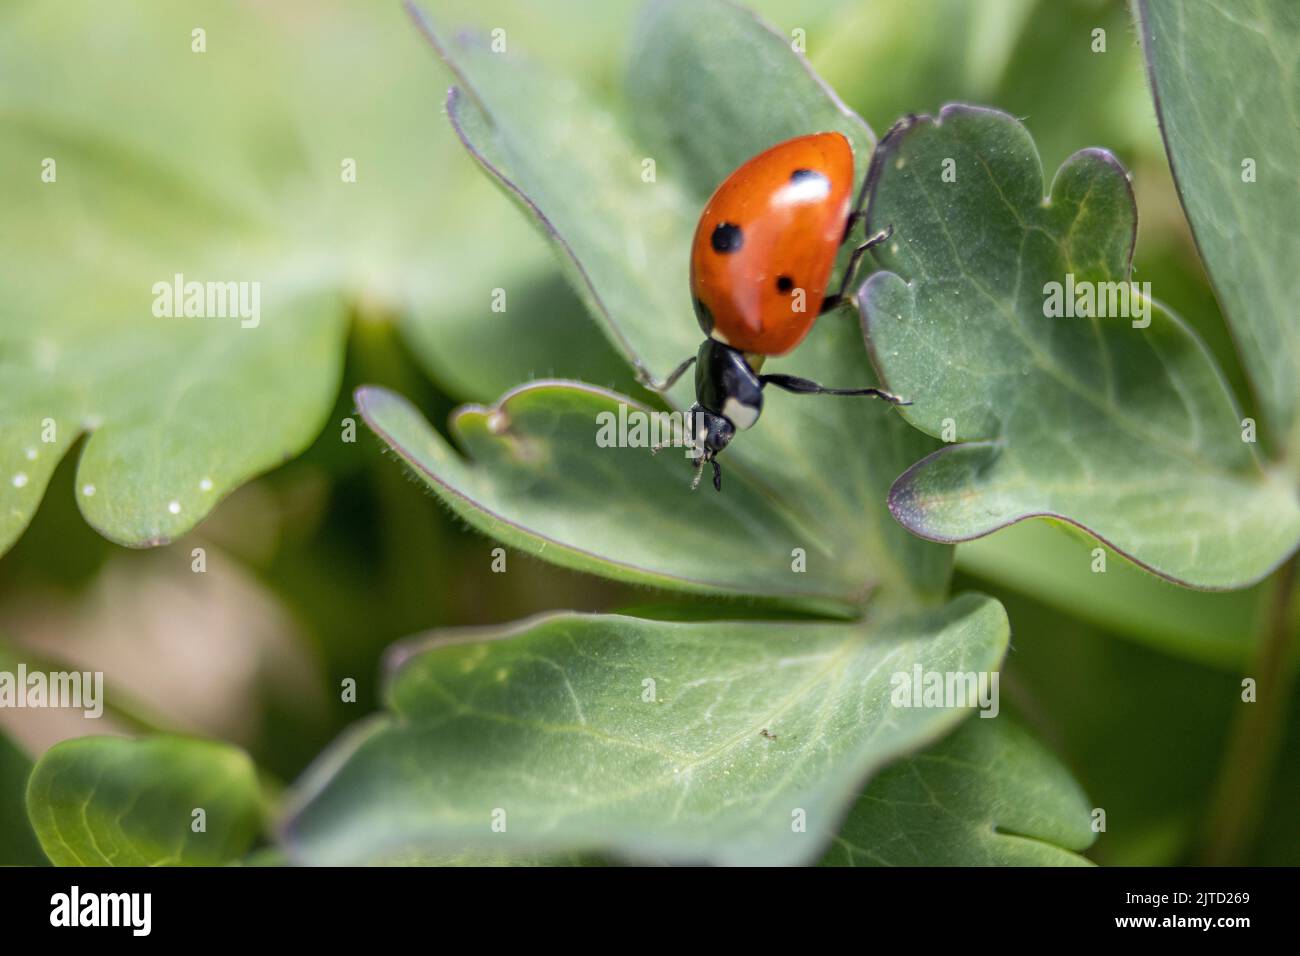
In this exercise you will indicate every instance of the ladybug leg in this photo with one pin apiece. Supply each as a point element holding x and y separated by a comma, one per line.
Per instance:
<point>645,378</point>
<point>699,473</point>
<point>859,212</point>
<point>803,386</point>
<point>833,301</point>
<point>854,218</point>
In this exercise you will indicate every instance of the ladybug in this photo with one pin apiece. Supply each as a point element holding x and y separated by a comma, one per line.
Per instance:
<point>761,260</point>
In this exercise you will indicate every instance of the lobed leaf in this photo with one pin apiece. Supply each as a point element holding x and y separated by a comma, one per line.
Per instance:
<point>536,479</point>
<point>624,240</point>
<point>107,801</point>
<point>651,740</point>
<point>987,795</point>
<point>226,174</point>
<point>1122,425</point>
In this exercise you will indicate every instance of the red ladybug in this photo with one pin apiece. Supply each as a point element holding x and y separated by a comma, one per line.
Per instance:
<point>761,259</point>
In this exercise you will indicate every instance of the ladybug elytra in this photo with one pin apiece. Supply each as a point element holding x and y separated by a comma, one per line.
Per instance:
<point>761,260</point>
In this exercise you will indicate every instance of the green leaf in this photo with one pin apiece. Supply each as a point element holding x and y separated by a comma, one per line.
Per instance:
<point>18,846</point>
<point>224,173</point>
<point>642,739</point>
<point>173,406</point>
<point>715,68</point>
<point>477,860</point>
<point>1233,145</point>
<point>476,354</point>
<point>537,481</point>
<point>1054,564</point>
<point>623,242</point>
<point>1126,431</point>
<point>987,795</point>
<point>106,801</point>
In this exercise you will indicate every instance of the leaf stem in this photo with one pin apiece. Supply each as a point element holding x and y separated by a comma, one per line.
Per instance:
<point>1256,731</point>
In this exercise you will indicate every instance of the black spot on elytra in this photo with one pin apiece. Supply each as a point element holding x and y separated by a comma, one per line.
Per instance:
<point>727,238</point>
<point>784,283</point>
<point>799,175</point>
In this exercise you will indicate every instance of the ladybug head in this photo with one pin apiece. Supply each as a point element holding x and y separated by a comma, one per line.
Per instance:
<point>711,433</point>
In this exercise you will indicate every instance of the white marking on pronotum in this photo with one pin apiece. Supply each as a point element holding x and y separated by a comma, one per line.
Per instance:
<point>742,416</point>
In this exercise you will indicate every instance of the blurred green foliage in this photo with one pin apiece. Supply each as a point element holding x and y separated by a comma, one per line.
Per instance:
<point>358,556</point>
